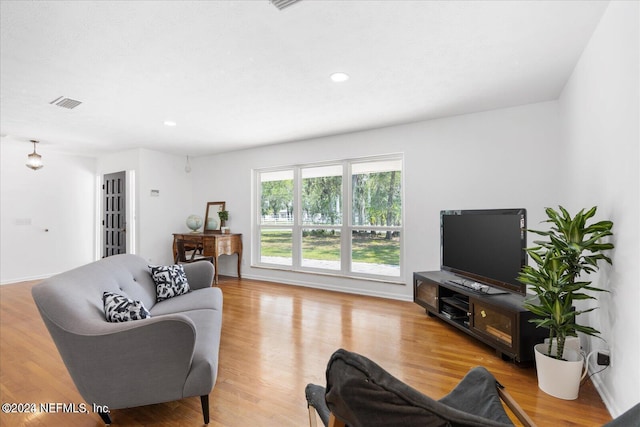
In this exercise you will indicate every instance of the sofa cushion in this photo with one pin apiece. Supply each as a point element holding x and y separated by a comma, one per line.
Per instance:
<point>199,299</point>
<point>170,281</point>
<point>118,308</point>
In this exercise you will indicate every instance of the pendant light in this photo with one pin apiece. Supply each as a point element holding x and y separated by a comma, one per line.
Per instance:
<point>34,160</point>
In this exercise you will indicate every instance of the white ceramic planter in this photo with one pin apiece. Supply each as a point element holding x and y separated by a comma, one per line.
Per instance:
<point>559,378</point>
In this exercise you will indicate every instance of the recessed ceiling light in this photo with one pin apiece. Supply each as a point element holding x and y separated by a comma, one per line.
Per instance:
<point>169,123</point>
<point>339,77</point>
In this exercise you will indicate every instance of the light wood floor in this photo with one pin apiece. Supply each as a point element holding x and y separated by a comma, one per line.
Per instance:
<point>275,340</point>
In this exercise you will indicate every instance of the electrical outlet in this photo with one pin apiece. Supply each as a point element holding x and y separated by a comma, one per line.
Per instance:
<point>603,358</point>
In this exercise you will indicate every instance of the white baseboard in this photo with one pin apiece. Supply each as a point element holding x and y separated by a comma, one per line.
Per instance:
<point>347,290</point>
<point>600,386</point>
<point>25,279</point>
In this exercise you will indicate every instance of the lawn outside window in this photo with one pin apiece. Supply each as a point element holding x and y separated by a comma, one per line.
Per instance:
<point>341,218</point>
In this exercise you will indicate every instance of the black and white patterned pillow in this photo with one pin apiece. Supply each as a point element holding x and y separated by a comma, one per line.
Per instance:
<point>118,308</point>
<point>170,281</point>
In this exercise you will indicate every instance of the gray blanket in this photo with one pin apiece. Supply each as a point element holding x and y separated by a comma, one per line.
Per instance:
<point>362,394</point>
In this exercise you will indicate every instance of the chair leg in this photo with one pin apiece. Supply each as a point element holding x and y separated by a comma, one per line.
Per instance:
<point>334,422</point>
<point>105,417</point>
<point>515,407</point>
<point>205,407</point>
<point>312,416</point>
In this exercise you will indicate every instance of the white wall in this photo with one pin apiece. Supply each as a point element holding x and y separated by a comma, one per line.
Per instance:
<point>473,161</point>
<point>59,198</point>
<point>159,217</point>
<point>600,117</point>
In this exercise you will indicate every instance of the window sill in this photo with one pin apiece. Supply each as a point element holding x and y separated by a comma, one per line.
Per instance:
<point>371,278</point>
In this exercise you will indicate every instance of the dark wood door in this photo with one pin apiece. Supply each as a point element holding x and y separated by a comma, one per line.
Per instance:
<point>114,224</point>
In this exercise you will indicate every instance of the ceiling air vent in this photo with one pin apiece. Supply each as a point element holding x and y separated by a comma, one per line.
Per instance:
<point>65,102</point>
<point>281,4</point>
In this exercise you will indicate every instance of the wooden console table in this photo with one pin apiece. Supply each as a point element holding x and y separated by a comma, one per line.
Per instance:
<point>213,244</point>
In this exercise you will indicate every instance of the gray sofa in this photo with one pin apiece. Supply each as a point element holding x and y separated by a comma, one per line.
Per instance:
<point>169,356</point>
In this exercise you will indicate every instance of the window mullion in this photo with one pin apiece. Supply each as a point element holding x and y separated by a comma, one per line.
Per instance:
<point>296,231</point>
<point>345,248</point>
<point>257,231</point>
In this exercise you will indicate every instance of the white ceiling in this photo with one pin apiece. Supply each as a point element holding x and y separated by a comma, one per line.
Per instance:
<point>238,74</point>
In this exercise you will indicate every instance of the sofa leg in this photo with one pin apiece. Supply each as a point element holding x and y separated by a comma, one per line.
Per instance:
<point>205,407</point>
<point>105,417</point>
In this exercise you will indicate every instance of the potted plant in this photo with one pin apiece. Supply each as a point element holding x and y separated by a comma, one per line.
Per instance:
<point>573,248</point>
<point>224,216</point>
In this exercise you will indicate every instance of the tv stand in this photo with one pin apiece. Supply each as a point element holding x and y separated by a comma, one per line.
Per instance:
<point>498,320</point>
<point>476,287</point>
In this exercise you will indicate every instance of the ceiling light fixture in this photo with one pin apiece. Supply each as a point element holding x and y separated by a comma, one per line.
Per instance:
<point>34,160</point>
<point>169,123</point>
<point>339,77</point>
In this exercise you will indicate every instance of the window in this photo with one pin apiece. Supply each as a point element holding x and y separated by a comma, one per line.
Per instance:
<point>276,219</point>
<point>376,217</point>
<point>321,203</point>
<point>338,218</point>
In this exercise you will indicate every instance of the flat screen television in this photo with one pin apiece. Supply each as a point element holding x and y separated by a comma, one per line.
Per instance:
<point>484,247</point>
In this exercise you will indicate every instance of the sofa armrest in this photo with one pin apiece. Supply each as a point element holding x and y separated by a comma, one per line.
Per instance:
<point>132,363</point>
<point>199,274</point>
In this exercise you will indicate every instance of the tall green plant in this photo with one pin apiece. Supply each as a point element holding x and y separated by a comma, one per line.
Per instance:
<point>573,248</point>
